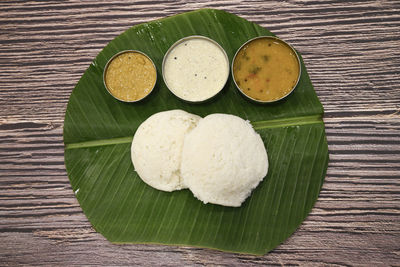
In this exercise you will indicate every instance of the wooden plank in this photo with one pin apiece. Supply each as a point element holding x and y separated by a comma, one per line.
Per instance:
<point>352,54</point>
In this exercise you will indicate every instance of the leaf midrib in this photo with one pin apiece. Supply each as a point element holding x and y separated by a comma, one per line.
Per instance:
<point>258,125</point>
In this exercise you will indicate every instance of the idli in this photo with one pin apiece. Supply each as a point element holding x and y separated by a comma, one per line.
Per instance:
<point>156,149</point>
<point>223,160</point>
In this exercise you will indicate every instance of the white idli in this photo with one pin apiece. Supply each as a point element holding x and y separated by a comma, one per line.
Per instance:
<point>157,148</point>
<point>223,160</point>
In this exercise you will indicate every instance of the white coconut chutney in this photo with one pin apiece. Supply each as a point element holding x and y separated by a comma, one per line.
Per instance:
<point>223,160</point>
<point>156,149</point>
<point>195,68</point>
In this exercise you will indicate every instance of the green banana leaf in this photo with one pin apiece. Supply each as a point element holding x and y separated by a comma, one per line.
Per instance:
<point>98,131</point>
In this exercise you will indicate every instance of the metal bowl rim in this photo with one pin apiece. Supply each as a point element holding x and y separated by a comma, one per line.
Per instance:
<point>268,37</point>
<point>181,41</point>
<point>116,55</point>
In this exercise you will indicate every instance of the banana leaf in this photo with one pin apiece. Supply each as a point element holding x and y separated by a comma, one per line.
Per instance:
<point>98,131</point>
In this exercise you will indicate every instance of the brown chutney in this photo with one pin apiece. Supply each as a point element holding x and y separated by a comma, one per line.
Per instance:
<point>130,76</point>
<point>266,69</point>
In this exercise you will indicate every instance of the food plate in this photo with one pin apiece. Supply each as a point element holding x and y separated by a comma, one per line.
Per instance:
<point>98,131</point>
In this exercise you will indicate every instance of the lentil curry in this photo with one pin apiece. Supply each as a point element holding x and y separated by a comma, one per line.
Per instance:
<point>130,76</point>
<point>266,69</point>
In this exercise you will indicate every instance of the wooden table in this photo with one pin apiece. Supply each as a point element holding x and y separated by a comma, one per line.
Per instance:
<point>352,52</point>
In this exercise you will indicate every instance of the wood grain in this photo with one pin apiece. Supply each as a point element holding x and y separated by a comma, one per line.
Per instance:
<point>352,52</point>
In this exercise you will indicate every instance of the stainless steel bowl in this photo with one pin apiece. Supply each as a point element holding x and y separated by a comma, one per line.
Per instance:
<point>272,38</point>
<point>181,41</point>
<point>108,63</point>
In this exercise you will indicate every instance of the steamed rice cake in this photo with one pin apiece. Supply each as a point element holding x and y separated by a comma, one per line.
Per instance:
<point>157,148</point>
<point>223,160</point>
